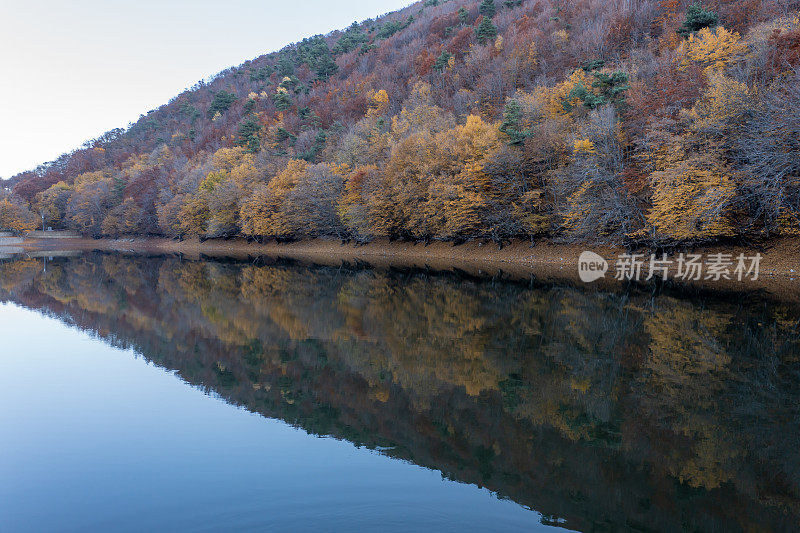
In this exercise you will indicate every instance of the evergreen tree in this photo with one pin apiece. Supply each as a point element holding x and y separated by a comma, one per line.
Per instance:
<point>350,40</point>
<point>486,31</point>
<point>442,61</point>
<point>697,18</point>
<point>594,64</point>
<point>607,88</point>
<point>285,65</point>
<point>611,86</point>
<point>463,16</point>
<point>512,123</point>
<point>392,27</point>
<point>487,8</point>
<point>222,101</point>
<point>248,135</point>
<point>326,67</point>
<point>260,74</point>
<point>282,100</point>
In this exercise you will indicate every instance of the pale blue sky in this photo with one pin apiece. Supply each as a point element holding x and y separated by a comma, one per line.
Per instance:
<point>73,70</point>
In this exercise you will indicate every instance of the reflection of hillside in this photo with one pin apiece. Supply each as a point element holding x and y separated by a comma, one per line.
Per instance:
<point>609,411</point>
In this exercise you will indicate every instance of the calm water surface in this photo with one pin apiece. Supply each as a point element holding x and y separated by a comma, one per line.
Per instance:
<point>155,393</point>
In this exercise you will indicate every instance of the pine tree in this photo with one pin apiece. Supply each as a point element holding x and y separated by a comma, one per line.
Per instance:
<point>486,31</point>
<point>352,38</point>
<point>487,8</point>
<point>326,67</point>
<point>442,61</point>
<point>512,123</point>
<point>281,99</point>
<point>697,18</point>
<point>463,16</point>
<point>222,101</point>
<point>248,135</point>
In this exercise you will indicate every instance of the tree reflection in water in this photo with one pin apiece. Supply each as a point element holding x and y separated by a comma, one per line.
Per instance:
<point>600,410</point>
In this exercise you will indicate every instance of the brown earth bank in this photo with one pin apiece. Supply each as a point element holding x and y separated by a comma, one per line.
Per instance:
<point>779,267</point>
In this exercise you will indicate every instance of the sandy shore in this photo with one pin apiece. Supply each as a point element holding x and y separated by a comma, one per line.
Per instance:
<point>779,268</point>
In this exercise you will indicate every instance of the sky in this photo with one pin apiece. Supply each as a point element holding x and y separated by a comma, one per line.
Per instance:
<point>74,70</point>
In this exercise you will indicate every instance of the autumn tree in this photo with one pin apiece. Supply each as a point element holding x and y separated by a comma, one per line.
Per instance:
<point>221,196</point>
<point>691,203</point>
<point>16,217</point>
<point>383,106</point>
<point>232,177</point>
<point>51,205</point>
<point>589,192</point>
<point>693,192</point>
<point>168,214</point>
<point>461,192</point>
<point>271,211</point>
<point>764,138</point>
<point>91,198</point>
<point>192,216</point>
<point>712,49</point>
<point>316,197</point>
<point>256,212</point>
<point>446,194</point>
<point>124,219</point>
<point>365,207</point>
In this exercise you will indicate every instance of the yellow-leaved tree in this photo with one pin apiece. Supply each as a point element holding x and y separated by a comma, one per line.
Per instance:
<point>300,201</point>
<point>437,183</point>
<point>461,191</point>
<point>691,202</point>
<point>269,211</point>
<point>721,105</point>
<point>15,217</point>
<point>92,196</point>
<point>192,215</point>
<point>712,48</point>
<point>562,97</point>
<point>51,204</point>
<point>124,219</point>
<point>365,206</point>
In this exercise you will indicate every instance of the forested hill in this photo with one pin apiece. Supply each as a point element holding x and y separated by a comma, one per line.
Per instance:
<point>590,120</point>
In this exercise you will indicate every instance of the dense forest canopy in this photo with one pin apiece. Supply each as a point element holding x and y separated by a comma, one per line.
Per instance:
<point>625,121</point>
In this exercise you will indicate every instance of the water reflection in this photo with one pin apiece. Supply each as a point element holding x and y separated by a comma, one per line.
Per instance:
<point>603,411</point>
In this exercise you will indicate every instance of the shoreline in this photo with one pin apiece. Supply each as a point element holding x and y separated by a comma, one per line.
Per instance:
<point>779,268</point>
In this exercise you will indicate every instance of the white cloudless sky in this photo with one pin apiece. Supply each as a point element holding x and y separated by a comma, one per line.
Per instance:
<point>73,70</point>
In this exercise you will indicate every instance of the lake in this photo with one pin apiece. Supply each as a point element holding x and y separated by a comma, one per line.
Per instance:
<point>160,393</point>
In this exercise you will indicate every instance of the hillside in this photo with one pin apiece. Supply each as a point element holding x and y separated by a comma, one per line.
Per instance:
<point>653,122</point>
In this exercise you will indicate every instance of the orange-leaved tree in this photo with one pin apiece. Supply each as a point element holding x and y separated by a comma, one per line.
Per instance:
<point>691,202</point>
<point>16,217</point>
